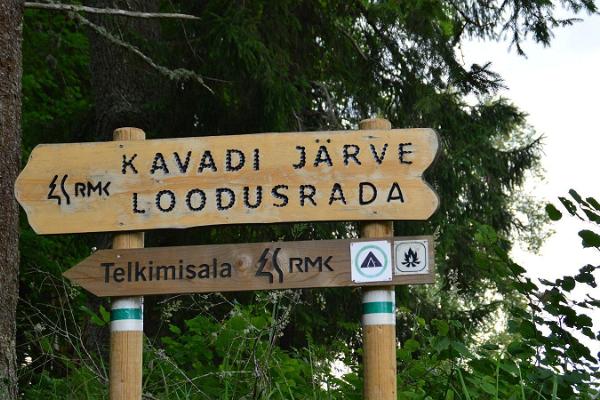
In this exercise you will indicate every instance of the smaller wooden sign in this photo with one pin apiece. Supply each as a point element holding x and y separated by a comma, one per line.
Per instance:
<point>229,267</point>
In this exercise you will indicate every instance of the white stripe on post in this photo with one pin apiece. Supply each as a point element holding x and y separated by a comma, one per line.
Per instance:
<point>127,314</point>
<point>378,307</point>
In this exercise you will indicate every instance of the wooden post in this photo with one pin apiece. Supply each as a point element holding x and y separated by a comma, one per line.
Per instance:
<point>379,315</point>
<point>126,317</point>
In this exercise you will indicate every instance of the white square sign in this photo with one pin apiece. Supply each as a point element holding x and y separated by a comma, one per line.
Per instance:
<point>371,261</point>
<point>412,257</point>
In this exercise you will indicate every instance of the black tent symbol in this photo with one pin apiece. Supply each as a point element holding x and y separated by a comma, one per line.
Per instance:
<point>371,261</point>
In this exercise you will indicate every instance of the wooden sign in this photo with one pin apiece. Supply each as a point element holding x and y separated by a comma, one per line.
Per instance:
<point>234,267</point>
<point>259,178</point>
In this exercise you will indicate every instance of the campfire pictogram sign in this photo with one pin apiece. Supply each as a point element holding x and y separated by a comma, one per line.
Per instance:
<point>411,257</point>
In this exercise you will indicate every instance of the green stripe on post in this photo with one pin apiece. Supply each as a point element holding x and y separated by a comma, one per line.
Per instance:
<point>378,307</point>
<point>125,313</point>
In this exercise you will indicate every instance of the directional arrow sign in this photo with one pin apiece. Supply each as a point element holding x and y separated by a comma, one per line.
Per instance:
<point>228,267</point>
<point>259,178</point>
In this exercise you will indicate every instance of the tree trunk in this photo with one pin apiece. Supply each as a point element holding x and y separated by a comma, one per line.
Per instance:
<point>11,29</point>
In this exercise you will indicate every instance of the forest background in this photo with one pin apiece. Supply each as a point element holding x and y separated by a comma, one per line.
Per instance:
<point>484,330</point>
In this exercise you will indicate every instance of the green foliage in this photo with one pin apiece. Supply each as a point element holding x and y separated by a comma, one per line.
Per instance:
<point>56,91</point>
<point>541,355</point>
<point>589,238</point>
<point>553,212</point>
<point>235,358</point>
<point>483,331</point>
<point>81,384</point>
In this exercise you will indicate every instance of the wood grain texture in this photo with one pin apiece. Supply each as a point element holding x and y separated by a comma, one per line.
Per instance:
<point>304,264</point>
<point>126,348</point>
<point>172,190</point>
<point>379,341</point>
<point>379,362</point>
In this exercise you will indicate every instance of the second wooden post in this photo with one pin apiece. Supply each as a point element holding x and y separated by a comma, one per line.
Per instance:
<point>126,317</point>
<point>378,315</point>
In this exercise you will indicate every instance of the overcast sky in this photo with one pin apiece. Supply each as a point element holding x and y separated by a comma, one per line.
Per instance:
<point>559,87</point>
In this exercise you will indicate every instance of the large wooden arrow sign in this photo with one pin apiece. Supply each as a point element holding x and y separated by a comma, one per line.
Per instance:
<point>240,267</point>
<point>259,178</point>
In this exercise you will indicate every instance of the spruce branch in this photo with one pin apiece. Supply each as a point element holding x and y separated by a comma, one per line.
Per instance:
<point>178,74</point>
<point>106,11</point>
<point>331,109</point>
<point>353,41</point>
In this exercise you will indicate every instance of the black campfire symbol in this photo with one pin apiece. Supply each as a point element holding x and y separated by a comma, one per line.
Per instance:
<point>411,259</point>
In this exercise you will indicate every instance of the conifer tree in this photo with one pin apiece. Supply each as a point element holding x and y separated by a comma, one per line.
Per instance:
<point>306,65</point>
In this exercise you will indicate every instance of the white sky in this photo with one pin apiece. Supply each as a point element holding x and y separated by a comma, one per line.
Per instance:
<point>559,87</point>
